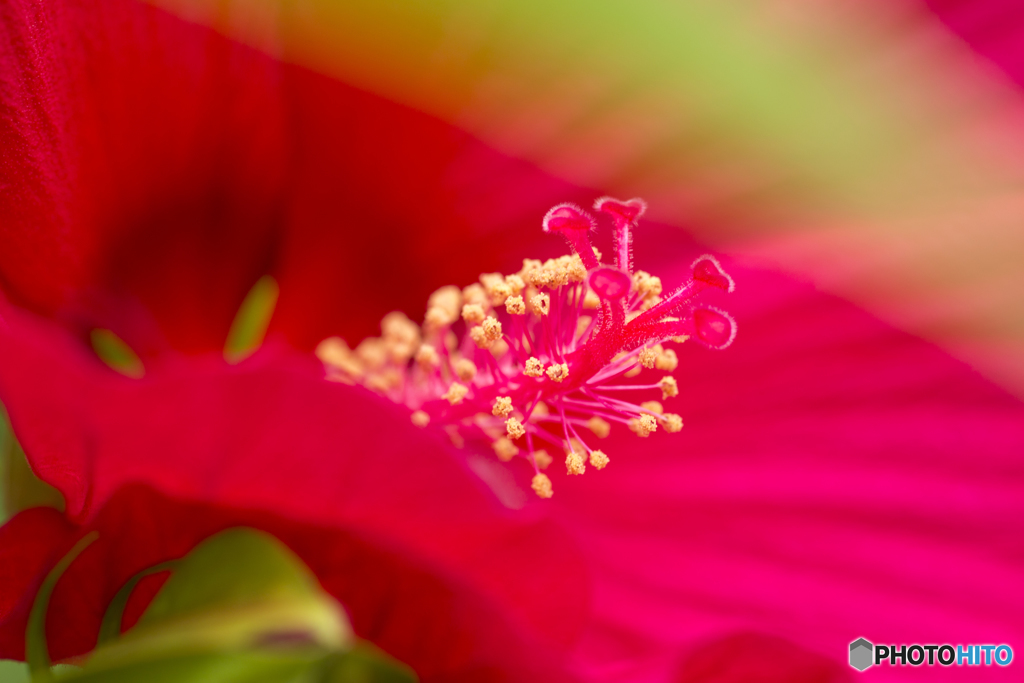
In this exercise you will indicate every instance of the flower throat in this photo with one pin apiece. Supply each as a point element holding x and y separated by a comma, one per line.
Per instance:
<point>533,361</point>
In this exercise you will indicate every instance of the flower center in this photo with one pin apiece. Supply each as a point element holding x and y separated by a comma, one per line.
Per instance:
<point>536,360</point>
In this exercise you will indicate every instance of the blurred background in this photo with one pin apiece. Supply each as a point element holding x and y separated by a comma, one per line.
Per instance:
<point>873,148</point>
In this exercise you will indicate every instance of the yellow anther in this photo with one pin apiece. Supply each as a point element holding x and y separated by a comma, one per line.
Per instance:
<point>473,314</point>
<point>643,425</point>
<point>449,298</point>
<point>534,367</point>
<point>496,287</point>
<point>647,425</point>
<point>574,463</point>
<point>562,265</point>
<point>401,336</point>
<point>680,339</point>
<point>648,357</point>
<point>533,273</point>
<point>667,360</point>
<point>420,418</point>
<point>669,387</point>
<point>436,318</point>
<point>541,457</point>
<point>372,352</point>
<point>475,294</point>
<point>516,284</point>
<point>397,326</point>
<point>653,406</point>
<point>336,354</point>
<point>399,352</point>
<point>548,276</point>
<point>490,279</point>
<point>492,329</point>
<point>582,324</point>
<point>385,380</point>
<point>541,277</point>
<point>597,253</point>
<point>633,371</point>
<point>498,292</point>
<point>514,428</point>
<point>465,369</point>
<point>599,426</point>
<point>515,305</point>
<point>559,269</point>
<point>443,307</point>
<point>575,269</point>
<point>541,485</point>
<point>541,304</point>
<point>558,372</point>
<point>673,423</point>
<point>541,410</point>
<point>598,459</point>
<point>479,337</point>
<point>530,264</point>
<point>591,300</point>
<point>502,406</point>
<point>504,449</point>
<point>456,392</point>
<point>647,285</point>
<point>427,357</point>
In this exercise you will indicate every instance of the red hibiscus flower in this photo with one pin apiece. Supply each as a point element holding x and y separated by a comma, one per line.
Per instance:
<point>837,477</point>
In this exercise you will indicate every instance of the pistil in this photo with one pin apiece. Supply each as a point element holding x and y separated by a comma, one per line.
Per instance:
<point>539,355</point>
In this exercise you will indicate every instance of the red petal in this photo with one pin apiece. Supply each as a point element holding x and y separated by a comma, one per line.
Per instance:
<point>339,473</point>
<point>140,188</point>
<point>30,545</point>
<point>836,478</point>
<point>157,169</point>
<point>993,28</point>
<point>758,658</point>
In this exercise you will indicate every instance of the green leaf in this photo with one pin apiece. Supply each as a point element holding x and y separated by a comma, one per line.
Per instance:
<point>6,439</point>
<point>113,351</point>
<point>110,627</point>
<point>21,488</point>
<point>36,653</point>
<point>239,603</point>
<point>210,667</point>
<point>250,324</point>
<point>234,568</point>
<point>13,672</point>
<point>239,608</point>
<point>368,664</point>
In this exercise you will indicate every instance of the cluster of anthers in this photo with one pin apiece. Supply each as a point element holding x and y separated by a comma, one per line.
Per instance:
<point>531,361</point>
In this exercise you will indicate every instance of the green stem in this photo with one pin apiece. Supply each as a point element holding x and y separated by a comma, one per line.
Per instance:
<point>36,653</point>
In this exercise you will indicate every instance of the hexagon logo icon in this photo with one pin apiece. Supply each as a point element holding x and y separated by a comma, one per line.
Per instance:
<point>860,654</point>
